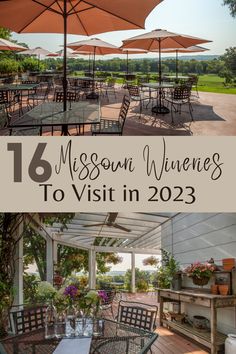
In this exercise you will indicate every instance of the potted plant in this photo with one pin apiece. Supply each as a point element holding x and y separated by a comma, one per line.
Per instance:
<point>200,272</point>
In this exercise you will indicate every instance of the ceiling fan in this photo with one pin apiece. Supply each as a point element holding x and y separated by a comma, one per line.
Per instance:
<point>110,222</point>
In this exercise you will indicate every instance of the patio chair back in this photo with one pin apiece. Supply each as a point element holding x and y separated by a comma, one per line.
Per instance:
<point>123,112</point>
<point>181,93</point>
<point>133,91</point>
<point>27,319</point>
<point>71,96</point>
<point>110,295</point>
<point>28,82</point>
<point>117,345</point>
<point>4,96</point>
<point>137,314</point>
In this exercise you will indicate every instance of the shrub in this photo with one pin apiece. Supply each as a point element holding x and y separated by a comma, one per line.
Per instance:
<point>8,66</point>
<point>142,285</point>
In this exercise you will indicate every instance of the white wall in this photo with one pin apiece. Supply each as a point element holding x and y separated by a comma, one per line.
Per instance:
<point>198,237</point>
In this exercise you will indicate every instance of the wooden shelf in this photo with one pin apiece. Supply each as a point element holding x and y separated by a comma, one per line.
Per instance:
<point>201,337</point>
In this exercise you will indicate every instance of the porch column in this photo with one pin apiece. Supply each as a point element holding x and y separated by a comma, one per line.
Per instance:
<point>50,259</point>
<point>18,279</point>
<point>133,287</point>
<point>92,269</point>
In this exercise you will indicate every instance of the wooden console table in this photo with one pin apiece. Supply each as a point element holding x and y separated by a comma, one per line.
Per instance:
<point>212,339</point>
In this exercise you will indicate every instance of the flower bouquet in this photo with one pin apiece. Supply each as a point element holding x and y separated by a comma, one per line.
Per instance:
<point>200,272</point>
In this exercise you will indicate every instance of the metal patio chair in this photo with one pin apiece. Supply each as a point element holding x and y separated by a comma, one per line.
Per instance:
<point>178,97</point>
<point>112,127</point>
<point>137,314</point>
<point>27,319</point>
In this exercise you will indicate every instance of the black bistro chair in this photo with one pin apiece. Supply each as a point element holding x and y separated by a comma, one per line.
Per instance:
<point>137,314</point>
<point>177,98</point>
<point>112,127</point>
<point>27,319</point>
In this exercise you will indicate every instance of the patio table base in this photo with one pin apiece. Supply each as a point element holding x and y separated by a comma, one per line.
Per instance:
<point>92,96</point>
<point>160,110</point>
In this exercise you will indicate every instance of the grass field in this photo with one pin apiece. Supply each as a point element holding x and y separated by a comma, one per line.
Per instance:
<point>213,83</point>
<point>206,83</point>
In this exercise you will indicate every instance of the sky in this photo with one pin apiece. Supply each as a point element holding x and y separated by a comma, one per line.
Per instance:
<point>207,19</point>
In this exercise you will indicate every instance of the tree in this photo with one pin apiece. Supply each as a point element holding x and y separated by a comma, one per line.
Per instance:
<point>232,6</point>
<point>69,259</point>
<point>142,279</point>
<point>8,241</point>
<point>229,59</point>
<point>5,33</point>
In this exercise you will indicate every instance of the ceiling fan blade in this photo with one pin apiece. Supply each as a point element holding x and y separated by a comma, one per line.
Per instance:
<point>101,224</point>
<point>121,227</point>
<point>112,218</point>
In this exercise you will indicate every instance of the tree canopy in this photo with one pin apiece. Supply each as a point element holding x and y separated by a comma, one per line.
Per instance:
<point>232,6</point>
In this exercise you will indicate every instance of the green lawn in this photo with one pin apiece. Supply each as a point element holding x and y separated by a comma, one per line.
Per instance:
<point>213,83</point>
<point>206,83</point>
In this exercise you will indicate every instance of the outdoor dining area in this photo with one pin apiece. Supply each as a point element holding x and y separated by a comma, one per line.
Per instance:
<point>64,103</point>
<point>79,314</point>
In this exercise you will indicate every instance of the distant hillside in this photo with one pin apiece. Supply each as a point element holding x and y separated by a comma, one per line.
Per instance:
<point>199,57</point>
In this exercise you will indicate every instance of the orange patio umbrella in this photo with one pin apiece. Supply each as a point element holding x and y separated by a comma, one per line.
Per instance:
<point>97,47</point>
<point>8,45</point>
<point>131,51</point>
<point>192,49</point>
<point>85,17</point>
<point>160,39</point>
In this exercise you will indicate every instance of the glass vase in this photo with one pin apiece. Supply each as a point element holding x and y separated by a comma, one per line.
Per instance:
<point>70,321</point>
<point>61,324</point>
<point>50,321</point>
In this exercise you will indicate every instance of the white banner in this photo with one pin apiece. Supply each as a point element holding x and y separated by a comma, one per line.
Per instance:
<point>69,174</point>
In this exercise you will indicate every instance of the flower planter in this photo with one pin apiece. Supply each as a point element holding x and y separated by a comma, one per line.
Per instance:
<point>228,263</point>
<point>214,289</point>
<point>200,281</point>
<point>223,289</point>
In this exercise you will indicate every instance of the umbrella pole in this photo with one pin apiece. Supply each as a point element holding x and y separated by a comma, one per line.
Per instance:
<point>160,108</point>
<point>93,95</point>
<point>127,63</point>
<point>89,64</point>
<point>176,65</point>
<point>64,59</point>
<point>159,42</point>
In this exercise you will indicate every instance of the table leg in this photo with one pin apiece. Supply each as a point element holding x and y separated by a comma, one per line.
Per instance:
<point>161,303</point>
<point>213,327</point>
<point>64,130</point>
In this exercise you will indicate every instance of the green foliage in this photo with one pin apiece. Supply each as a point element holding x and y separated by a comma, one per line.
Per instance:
<point>5,33</point>
<point>32,64</point>
<point>142,278</point>
<point>232,6</point>
<point>168,269</point>
<point>229,59</point>
<point>45,292</point>
<point>30,288</point>
<point>8,242</point>
<point>8,66</point>
<point>142,285</point>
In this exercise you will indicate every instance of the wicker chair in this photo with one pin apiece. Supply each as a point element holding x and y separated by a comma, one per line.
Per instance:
<point>114,127</point>
<point>179,97</point>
